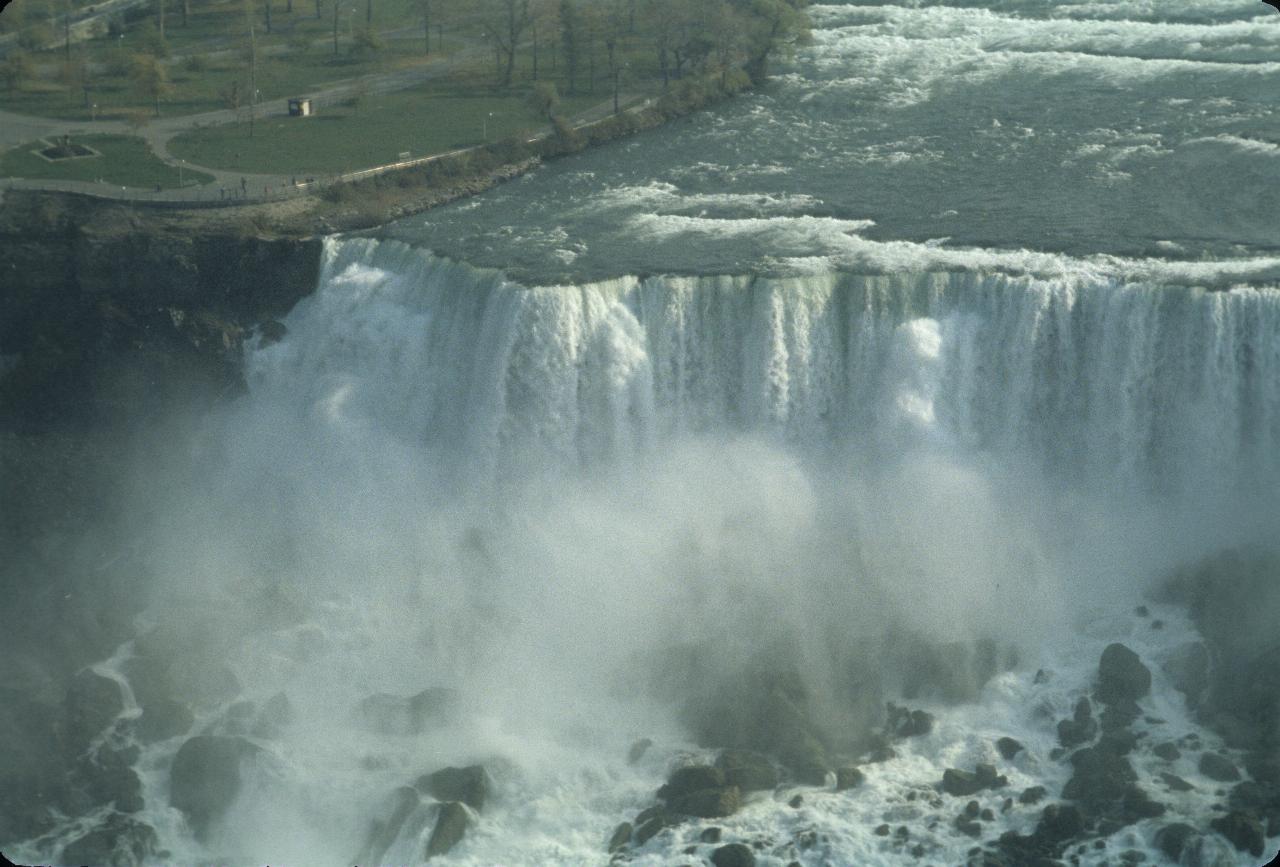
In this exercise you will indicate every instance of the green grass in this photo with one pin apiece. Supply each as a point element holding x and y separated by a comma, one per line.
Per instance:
<point>124,160</point>
<point>344,138</point>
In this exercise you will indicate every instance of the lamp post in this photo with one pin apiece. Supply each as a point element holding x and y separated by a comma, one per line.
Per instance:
<point>485,136</point>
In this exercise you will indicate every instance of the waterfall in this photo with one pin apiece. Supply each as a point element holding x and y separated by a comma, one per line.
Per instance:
<point>1157,387</point>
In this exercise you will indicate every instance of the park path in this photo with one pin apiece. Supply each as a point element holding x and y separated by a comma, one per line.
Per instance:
<point>16,129</point>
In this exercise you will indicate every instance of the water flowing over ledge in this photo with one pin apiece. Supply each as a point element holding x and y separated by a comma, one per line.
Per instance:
<point>1087,376</point>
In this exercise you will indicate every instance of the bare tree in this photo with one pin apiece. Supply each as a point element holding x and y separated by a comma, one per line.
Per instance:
<point>571,39</point>
<point>503,23</point>
<point>151,78</point>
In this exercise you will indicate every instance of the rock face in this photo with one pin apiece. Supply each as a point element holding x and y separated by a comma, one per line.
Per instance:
<point>848,778</point>
<point>206,777</point>
<point>469,785</point>
<point>1121,676</point>
<point>451,827</point>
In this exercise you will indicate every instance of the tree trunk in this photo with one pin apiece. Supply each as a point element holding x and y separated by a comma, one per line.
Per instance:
<point>426,24</point>
<point>160,7</point>
<point>186,11</point>
<point>318,4</point>
<point>535,50</point>
<point>368,12</point>
<point>336,4</point>
<point>267,8</point>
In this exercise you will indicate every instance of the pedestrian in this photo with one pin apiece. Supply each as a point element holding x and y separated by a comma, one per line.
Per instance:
<point>244,187</point>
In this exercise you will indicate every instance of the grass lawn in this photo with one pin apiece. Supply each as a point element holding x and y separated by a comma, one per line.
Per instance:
<point>124,160</point>
<point>343,138</point>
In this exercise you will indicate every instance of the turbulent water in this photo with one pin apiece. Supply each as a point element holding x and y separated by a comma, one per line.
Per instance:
<point>965,326</point>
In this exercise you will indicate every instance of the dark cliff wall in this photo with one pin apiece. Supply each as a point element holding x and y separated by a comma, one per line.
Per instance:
<point>118,330</point>
<point>108,313</point>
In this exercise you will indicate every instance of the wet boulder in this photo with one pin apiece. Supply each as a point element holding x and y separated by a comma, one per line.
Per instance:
<point>1059,823</point>
<point>750,771</point>
<point>1243,830</point>
<point>620,837</point>
<point>965,783</point>
<point>1100,776</point>
<point>1082,727</point>
<point>638,749</point>
<point>451,826</point>
<point>733,855</point>
<point>1168,751</point>
<point>708,803</point>
<point>1172,840</point>
<point>905,723</point>
<point>1121,676</point>
<point>848,778</point>
<point>1218,767</point>
<point>206,776</point>
<point>691,778</point>
<point>1008,748</point>
<point>470,785</point>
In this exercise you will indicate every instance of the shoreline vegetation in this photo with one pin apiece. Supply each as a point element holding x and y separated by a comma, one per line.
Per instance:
<point>640,63</point>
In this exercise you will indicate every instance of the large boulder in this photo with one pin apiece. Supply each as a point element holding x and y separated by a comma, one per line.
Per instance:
<point>708,803</point>
<point>1082,727</point>
<point>750,771</point>
<point>733,855</point>
<point>387,714</point>
<point>470,785</point>
<point>965,783</point>
<point>691,778</point>
<point>206,777</point>
<point>451,827</point>
<point>1243,830</point>
<point>1121,676</point>
<point>1217,767</point>
<point>1172,839</point>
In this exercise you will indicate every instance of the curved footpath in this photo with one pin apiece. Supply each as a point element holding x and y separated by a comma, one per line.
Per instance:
<point>16,129</point>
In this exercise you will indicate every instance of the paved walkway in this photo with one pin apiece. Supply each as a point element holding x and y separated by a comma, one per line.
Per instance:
<point>18,129</point>
<point>229,185</point>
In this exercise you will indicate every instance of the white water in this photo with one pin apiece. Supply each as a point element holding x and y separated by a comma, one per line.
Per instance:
<point>444,478</point>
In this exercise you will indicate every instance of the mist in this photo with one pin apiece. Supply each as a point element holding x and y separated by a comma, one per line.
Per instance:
<point>550,530</point>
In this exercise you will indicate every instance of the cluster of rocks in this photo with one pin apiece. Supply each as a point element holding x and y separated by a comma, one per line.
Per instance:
<point>449,800</point>
<point>1103,793</point>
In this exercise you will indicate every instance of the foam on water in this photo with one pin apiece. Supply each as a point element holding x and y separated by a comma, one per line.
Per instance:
<point>528,493</point>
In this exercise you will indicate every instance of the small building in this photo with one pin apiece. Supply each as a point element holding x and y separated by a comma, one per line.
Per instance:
<point>300,107</point>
